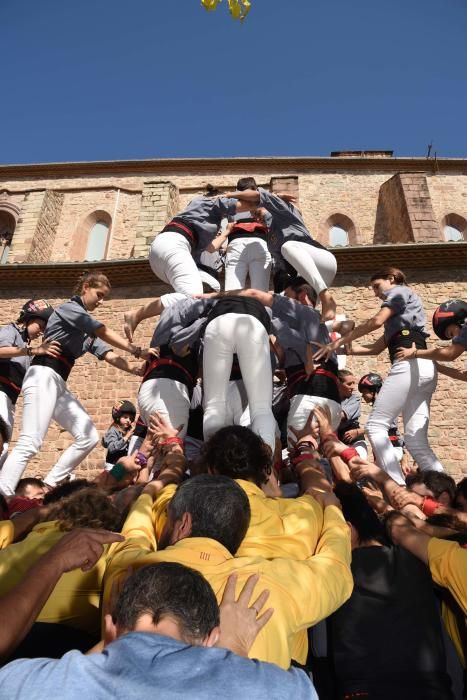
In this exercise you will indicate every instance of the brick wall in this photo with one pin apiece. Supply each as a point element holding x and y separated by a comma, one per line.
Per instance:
<point>46,229</point>
<point>98,385</point>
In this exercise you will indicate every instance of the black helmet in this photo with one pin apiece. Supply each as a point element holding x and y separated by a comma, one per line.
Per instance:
<point>371,382</point>
<point>452,311</point>
<point>123,406</point>
<point>35,308</point>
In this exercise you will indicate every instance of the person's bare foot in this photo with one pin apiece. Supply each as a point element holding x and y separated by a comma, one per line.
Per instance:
<point>130,323</point>
<point>328,306</point>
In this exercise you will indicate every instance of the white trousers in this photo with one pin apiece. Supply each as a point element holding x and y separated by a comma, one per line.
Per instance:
<point>247,256</point>
<point>300,407</point>
<point>7,412</point>
<point>169,398</point>
<point>171,260</point>
<point>209,280</point>
<point>317,265</point>
<point>46,398</point>
<point>245,335</point>
<point>407,390</point>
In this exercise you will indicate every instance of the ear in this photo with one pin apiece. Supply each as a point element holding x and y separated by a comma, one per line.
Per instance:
<point>110,630</point>
<point>212,638</point>
<point>444,498</point>
<point>182,528</point>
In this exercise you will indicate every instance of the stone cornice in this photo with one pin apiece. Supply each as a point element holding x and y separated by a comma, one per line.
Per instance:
<point>136,271</point>
<point>267,164</point>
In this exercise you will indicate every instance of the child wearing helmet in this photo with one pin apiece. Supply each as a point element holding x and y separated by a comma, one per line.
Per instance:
<point>117,437</point>
<point>16,353</point>
<point>448,324</point>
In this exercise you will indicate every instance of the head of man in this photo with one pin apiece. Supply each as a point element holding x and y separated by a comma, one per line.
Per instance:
<point>246,183</point>
<point>211,506</point>
<point>167,599</point>
<point>301,291</point>
<point>30,487</point>
<point>239,453</point>
<point>365,526</point>
<point>433,484</point>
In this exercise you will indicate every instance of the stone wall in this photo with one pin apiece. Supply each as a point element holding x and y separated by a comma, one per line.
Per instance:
<point>98,385</point>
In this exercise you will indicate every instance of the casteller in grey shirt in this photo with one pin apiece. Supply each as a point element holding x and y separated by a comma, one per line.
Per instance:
<point>143,665</point>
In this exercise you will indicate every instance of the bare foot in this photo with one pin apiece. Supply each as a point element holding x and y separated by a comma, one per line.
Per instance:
<point>130,323</point>
<point>328,306</point>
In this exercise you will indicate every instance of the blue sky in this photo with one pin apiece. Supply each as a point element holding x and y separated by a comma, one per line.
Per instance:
<point>115,79</point>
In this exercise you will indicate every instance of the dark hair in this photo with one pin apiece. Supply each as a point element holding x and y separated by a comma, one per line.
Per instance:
<point>89,507</point>
<point>66,489</point>
<point>211,191</point>
<point>22,485</point>
<point>300,285</point>
<point>239,453</point>
<point>246,183</point>
<point>93,279</point>
<point>461,489</point>
<point>386,272</point>
<point>3,507</point>
<point>4,430</point>
<point>437,482</point>
<point>169,589</point>
<point>219,509</point>
<point>359,513</point>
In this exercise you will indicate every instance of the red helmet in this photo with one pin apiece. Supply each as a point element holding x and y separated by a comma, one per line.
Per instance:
<point>35,308</point>
<point>371,382</point>
<point>123,406</point>
<point>452,311</point>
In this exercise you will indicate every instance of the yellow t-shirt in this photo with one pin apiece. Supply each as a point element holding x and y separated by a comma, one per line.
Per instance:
<point>7,533</point>
<point>301,592</point>
<point>76,597</point>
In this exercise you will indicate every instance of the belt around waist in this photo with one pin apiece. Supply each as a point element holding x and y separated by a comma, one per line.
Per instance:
<point>184,229</point>
<point>299,383</point>
<point>61,364</point>
<point>404,338</point>
<point>9,388</point>
<point>169,369</point>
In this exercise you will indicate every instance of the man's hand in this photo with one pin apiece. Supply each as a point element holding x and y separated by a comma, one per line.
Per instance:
<point>403,497</point>
<point>324,352</point>
<point>406,353</point>
<point>376,500</point>
<point>240,621</point>
<point>286,196</point>
<point>350,435</point>
<point>362,469</point>
<point>53,349</point>
<point>160,427</point>
<point>81,548</point>
<point>309,432</point>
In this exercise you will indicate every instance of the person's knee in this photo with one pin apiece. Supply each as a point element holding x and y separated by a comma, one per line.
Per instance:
<point>29,445</point>
<point>88,439</point>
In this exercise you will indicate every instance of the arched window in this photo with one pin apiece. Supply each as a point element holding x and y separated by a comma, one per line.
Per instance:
<point>338,236</point>
<point>454,227</point>
<point>97,241</point>
<point>7,229</point>
<point>451,233</point>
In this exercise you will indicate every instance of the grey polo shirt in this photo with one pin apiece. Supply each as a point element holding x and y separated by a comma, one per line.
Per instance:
<point>12,337</point>
<point>287,222</point>
<point>407,310</point>
<point>74,328</point>
<point>205,214</point>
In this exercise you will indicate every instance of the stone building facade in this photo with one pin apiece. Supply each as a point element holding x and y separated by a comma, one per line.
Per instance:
<point>409,212</point>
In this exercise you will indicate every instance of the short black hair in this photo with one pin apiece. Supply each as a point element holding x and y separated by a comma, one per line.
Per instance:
<point>461,488</point>
<point>4,430</point>
<point>66,489</point>
<point>239,453</point>
<point>246,183</point>
<point>358,512</point>
<point>300,285</point>
<point>169,589</point>
<point>219,509</point>
<point>24,483</point>
<point>437,482</point>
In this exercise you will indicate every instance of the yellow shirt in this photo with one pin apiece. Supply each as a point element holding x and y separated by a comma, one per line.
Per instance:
<point>7,533</point>
<point>301,592</point>
<point>279,527</point>
<point>448,566</point>
<point>76,597</point>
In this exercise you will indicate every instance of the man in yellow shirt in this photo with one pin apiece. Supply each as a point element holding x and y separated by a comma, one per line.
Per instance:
<point>207,520</point>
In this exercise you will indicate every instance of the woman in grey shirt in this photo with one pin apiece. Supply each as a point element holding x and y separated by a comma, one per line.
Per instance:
<point>409,386</point>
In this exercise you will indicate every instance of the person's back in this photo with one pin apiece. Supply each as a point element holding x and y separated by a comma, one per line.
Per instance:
<point>386,640</point>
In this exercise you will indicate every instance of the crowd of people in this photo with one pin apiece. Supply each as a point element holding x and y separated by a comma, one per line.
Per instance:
<point>247,535</point>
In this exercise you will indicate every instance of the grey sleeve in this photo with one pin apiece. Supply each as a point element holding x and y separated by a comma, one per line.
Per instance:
<point>7,337</point>
<point>352,408</point>
<point>287,310</point>
<point>284,212</point>
<point>395,300</point>
<point>226,206</point>
<point>176,317</point>
<point>99,348</point>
